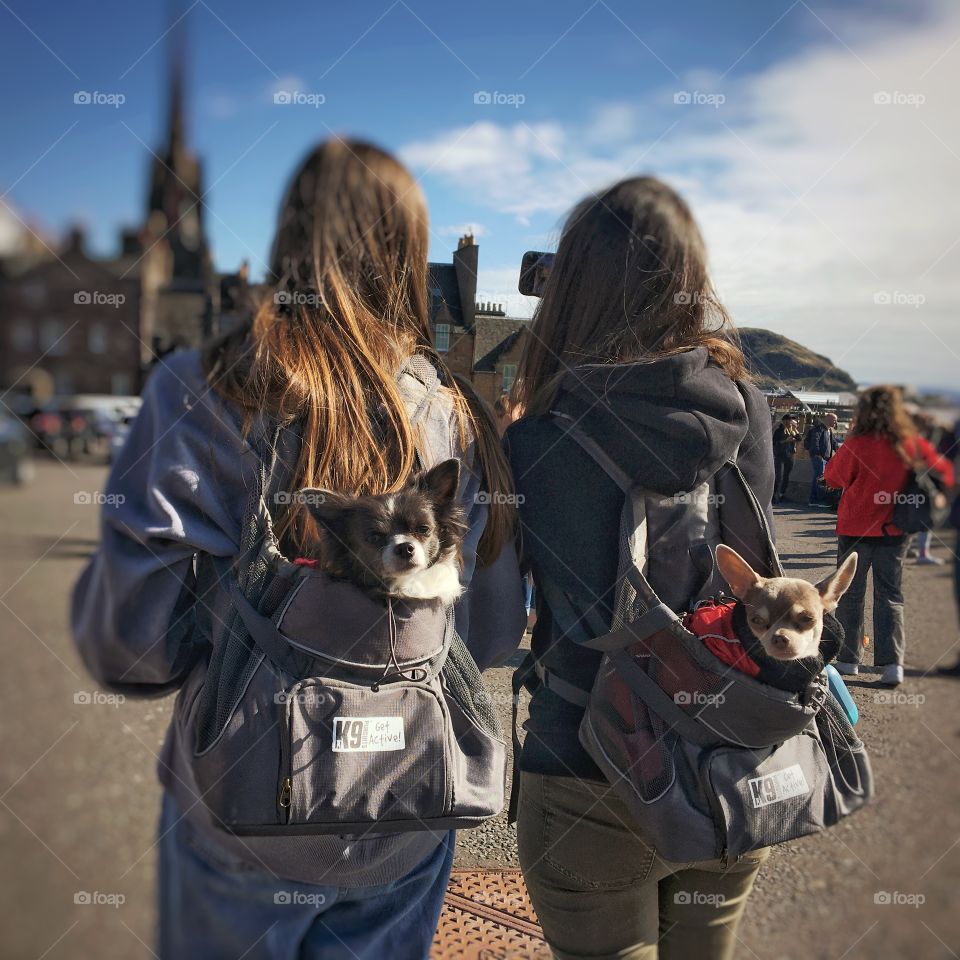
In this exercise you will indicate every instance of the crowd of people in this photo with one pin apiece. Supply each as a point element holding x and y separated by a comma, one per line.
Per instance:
<point>866,476</point>
<point>326,386</point>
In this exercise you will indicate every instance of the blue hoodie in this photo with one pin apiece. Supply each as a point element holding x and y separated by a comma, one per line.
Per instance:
<point>180,487</point>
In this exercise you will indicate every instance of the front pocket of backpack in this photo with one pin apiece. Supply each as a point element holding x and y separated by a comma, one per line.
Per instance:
<point>767,796</point>
<point>356,756</point>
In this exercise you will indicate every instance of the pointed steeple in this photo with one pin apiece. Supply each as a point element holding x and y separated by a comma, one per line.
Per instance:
<point>176,121</point>
<point>174,203</point>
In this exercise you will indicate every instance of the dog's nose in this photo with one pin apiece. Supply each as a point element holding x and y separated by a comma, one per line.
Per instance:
<point>404,550</point>
<point>780,641</point>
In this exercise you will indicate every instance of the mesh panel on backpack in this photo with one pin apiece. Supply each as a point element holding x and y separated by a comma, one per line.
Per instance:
<point>463,678</point>
<point>235,657</point>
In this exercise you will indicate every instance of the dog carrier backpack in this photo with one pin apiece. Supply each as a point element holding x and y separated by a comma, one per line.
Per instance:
<point>323,711</point>
<point>711,762</point>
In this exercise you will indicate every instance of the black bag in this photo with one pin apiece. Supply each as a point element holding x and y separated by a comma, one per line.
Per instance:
<point>915,507</point>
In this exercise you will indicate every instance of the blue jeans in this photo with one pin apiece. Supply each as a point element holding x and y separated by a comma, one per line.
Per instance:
<point>215,910</point>
<point>817,465</point>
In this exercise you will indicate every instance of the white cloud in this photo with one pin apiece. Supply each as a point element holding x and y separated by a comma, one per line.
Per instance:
<point>499,285</point>
<point>813,197</point>
<point>459,229</point>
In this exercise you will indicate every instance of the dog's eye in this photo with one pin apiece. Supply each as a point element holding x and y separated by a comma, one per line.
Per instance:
<point>806,619</point>
<point>374,537</point>
<point>423,529</point>
<point>758,621</point>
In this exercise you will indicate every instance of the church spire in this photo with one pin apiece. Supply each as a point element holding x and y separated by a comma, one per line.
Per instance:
<point>177,57</point>
<point>174,204</point>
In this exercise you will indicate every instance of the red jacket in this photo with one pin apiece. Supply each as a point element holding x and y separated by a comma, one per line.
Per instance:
<point>870,473</point>
<point>713,623</point>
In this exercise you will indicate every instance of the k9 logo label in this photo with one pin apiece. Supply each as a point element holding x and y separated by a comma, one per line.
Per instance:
<point>367,734</point>
<point>781,785</point>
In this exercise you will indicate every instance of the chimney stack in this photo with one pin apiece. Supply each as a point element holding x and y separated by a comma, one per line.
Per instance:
<point>465,260</point>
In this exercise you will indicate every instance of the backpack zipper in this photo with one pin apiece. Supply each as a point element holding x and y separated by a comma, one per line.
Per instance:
<point>716,808</point>
<point>283,801</point>
<point>285,793</point>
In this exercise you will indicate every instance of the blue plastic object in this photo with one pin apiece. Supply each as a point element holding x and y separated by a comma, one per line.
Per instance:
<point>839,689</point>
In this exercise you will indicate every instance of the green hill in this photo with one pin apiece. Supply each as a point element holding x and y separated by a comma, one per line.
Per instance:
<point>778,361</point>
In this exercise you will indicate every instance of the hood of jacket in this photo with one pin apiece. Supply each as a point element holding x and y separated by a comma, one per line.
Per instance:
<point>669,423</point>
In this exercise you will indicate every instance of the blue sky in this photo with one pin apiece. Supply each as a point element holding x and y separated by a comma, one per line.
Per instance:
<point>824,209</point>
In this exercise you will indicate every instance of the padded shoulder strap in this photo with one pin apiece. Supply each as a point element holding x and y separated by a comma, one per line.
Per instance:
<point>629,571</point>
<point>593,449</point>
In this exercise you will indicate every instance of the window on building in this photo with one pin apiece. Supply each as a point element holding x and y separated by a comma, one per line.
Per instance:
<point>97,339</point>
<point>34,295</point>
<point>509,375</point>
<point>21,335</point>
<point>443,337</point>
<point>53,339</point>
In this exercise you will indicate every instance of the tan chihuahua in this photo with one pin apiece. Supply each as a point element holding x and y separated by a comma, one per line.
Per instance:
<point>785,618</point>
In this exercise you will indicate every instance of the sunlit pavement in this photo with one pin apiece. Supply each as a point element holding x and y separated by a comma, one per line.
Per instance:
<point>79,799</point>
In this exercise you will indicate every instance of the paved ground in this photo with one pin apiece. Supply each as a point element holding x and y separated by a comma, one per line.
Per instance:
<point>78,797</point>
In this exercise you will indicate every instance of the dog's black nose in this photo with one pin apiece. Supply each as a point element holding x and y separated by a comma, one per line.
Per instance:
<point>404,550</point>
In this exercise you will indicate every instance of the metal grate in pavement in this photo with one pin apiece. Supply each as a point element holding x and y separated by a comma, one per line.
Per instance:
<point>487,915</point>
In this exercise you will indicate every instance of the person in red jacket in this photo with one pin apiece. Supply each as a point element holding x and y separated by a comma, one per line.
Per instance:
<point>872,468</point>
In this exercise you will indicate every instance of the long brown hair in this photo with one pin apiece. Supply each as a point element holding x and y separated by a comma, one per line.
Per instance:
<point>629,282</point>
<point>347,307</point>
<point>880,412</point>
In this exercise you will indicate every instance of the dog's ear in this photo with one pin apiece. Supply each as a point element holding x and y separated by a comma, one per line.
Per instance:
<point>741,577</point>
<point>832,588</point>
<point>325,506</point>
<point>442,481</point>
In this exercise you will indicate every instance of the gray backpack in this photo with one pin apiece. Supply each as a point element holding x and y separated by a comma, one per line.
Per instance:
<point>710,762</point>
<point>323,711</point>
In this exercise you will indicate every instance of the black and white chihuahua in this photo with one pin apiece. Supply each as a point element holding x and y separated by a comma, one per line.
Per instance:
<point>402,545</point>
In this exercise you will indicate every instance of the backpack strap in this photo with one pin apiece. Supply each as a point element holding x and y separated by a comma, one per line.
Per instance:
<point>591,630</point>
<point>276,462</point>
<point>595,451</point>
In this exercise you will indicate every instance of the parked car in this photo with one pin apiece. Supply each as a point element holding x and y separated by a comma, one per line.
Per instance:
<point>16,451</point>
<point>84,425</point>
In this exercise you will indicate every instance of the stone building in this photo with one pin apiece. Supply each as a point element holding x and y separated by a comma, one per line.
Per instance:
<point>72,323</point>
<point>478,341</point>
<point>68,324</point>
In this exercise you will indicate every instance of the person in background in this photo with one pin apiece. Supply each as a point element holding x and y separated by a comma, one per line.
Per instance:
<point>951,448</point>
<point>821,444</point>
<point>785,440</point>
<point>506,411</point>
<point>503,412</point>
<point>872,468</point>
<point>930,430</point>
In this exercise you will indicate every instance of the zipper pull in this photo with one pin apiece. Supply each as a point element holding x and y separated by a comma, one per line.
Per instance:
<point>724,859</point>
<point>286,788</point>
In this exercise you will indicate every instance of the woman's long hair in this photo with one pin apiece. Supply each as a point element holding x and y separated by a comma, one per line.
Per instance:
<point>629,282</point>
<point>348,306</point>
<point>881,413</point>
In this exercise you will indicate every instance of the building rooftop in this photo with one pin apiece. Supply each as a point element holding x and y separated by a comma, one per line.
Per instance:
<point>493,336</point>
